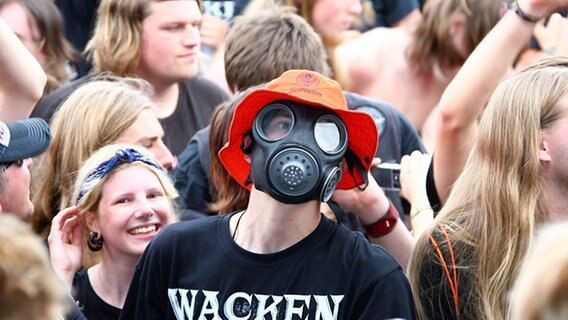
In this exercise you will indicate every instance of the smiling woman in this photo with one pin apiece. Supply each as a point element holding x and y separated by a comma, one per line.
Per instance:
<point>117,218</point>
<point>103,111</point>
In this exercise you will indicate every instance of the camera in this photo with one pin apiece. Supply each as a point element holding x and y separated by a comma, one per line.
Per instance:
<point>387,175</point>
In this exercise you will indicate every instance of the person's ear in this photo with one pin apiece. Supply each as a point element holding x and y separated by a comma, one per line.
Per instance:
<point>457,24</point>
<point>91,221</point>
<point>247,143</point>
<point>543,150</point>
<point>457,32</point>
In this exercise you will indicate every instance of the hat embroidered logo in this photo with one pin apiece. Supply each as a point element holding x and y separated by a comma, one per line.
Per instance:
<point>307,80</point>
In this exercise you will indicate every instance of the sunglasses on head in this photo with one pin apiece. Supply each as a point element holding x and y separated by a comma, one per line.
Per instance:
<point>18,163</point>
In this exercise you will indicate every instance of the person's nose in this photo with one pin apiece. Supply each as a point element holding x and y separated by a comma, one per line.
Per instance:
<point>164,156</point>
<point>28,162</point>
<point>191,36</point>
<point>144,209</point>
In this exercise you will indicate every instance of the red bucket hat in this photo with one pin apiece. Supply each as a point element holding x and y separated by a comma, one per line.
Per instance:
<point>312,89</point>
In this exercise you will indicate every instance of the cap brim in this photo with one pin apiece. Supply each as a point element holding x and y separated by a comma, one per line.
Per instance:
<point>28,138</point>
<point>361,128</point>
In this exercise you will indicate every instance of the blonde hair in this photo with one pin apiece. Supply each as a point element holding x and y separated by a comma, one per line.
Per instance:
<point>29,289</point>
<point>541,289</point>
<point>91,194</point>
<point>94,115</point>
<point>431,42</point>
<point>116,43</point>
<point>495,203</point>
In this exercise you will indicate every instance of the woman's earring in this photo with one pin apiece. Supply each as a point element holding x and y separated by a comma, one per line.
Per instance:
<point>94,241</point>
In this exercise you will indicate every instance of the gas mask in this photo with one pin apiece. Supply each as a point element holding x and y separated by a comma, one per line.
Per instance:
<point>297,152</point>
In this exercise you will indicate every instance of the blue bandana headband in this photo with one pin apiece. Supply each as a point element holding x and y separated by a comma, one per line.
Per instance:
<point>128,155</point>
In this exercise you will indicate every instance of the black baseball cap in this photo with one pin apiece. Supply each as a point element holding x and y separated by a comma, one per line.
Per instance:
<point>23,139</point>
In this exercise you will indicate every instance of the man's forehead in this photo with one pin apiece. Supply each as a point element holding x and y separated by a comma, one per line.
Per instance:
<point>174,9</point>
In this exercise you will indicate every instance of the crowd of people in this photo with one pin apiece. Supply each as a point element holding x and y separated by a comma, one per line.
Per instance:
<point>283,159</point>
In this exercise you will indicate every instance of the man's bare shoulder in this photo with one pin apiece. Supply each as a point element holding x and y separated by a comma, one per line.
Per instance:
<point>373,45</point>
<point>376,39</point>
<point>373,50</point>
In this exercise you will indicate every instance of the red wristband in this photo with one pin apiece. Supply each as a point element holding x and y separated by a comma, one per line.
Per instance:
<point>384,225</point>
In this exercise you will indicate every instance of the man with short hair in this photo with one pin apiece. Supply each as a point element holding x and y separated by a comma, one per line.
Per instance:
<point>19,142</point>
<point>157,41</point>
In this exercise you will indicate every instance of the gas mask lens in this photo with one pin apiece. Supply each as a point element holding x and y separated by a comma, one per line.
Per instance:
<point>275,121</point>
<point>330,134</point>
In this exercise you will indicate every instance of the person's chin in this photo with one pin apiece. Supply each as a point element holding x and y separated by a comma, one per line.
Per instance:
<point>27,212</point>
<point>183,75</point>
<point>189,70</point>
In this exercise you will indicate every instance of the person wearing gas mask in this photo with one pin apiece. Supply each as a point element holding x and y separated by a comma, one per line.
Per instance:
<point>292,142</point>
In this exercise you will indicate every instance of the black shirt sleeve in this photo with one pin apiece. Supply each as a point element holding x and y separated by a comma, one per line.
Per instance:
<point>49,104</point>
<point>431,190</point>
<point>191,176</point>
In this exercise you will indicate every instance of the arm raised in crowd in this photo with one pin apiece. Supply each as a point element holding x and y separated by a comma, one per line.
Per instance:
<point>23,79</point>
<point>465,97</point>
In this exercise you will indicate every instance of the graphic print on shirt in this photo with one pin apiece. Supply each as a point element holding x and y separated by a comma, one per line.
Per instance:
<point>221,9</point>
<point>205,304</point>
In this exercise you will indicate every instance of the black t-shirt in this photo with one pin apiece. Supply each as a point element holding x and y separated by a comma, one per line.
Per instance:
<point>194,269</point>
<point>197,99</point>
<point>79,21</point>
<point>90,304</point>
<point>192,176</point>
<point>434,288</point>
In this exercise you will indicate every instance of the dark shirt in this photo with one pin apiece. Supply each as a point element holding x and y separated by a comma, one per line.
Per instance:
<point>79,22</point>
<point>431,190</point>
<point>195,270</point>
<point>197,99</point>
<point>90,304</point>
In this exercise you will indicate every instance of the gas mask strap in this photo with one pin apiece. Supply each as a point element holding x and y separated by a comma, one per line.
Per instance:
<point>246,146</point>
<point>248,180</point>
<point>337,211</point>
<point>353,163</point>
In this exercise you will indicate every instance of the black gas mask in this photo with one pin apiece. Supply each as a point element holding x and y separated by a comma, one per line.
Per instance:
<point>297,152</point>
